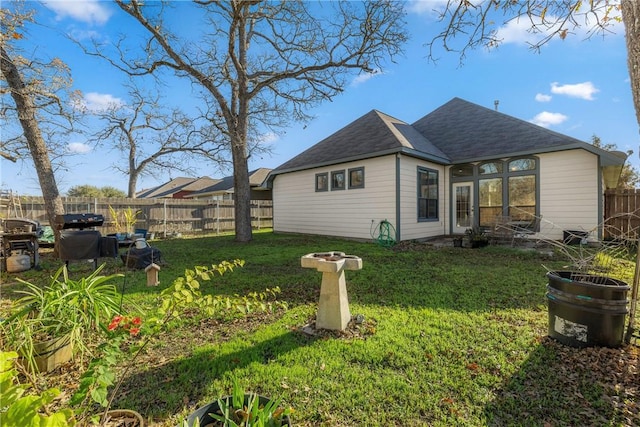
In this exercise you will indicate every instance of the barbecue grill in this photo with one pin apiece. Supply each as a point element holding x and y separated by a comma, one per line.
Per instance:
<point>78,243</point>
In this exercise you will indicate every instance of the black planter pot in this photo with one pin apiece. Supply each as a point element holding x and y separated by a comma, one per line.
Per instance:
<point>586,310</point>
<point>202,414</point>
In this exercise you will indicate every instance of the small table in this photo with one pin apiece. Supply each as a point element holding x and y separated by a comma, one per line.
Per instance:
<point>333,307</point>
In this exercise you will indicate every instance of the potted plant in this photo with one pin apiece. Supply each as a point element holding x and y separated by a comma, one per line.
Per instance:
<point>477,237</point>
<point>51,321</point>
<point>241,409</point>
<point>125,219</point>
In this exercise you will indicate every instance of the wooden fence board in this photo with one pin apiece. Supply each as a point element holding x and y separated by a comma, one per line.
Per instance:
<point>165,217</point>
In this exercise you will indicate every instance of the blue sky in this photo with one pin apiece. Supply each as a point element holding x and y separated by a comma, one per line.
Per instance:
<point>574,86</point>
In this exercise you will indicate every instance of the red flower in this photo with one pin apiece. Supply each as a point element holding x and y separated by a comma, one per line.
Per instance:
<point>134,331</point>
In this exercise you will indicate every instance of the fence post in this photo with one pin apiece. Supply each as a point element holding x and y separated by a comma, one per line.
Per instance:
<point>164,216</point>
<point>217,217</point>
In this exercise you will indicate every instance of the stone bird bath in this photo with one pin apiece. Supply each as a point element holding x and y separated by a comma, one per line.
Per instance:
<point>333,307</point>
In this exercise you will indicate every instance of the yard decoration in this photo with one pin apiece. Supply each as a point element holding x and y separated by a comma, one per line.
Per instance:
<point>127,336</point>
<point>152,274</point>
<point>333,306</point>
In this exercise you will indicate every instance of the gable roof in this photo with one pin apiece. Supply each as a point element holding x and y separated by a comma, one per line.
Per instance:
<point>457,132</point>
<point>175,185</point>
<point>225,185</point>
<point>374,134</point>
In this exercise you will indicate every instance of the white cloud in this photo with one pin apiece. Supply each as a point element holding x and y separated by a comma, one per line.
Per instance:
<point>547,119</point>
<point>364,76</point>
<point>269,138</point>
<point>541,97</point>
<point>580,90</point>
<point>93,102</point>
<point>89,11</point>
<point>78,148</point>
<point>426,6</point>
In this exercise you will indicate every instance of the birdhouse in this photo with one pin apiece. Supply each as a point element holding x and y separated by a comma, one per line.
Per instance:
<point>152,274</point>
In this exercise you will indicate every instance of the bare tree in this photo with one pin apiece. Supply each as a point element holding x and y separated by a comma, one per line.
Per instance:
<point>154,138</point>
<point>37,90</point>
<point>258,65</point>
<point>472,24</point>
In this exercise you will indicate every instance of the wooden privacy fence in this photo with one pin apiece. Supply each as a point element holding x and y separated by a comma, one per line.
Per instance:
<point>164,217</point>
<point>622,213</point>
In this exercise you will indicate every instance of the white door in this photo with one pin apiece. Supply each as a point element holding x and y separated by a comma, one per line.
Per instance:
<point>463,206</point>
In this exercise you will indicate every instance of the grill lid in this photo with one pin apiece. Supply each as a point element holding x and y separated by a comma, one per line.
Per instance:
<point>79,221</point>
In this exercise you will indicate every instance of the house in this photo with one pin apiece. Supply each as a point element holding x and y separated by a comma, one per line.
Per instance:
<point>459,166</point>
<point>223,188</point>
<point>177,188</point>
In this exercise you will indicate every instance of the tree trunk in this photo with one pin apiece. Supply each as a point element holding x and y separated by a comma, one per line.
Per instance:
<point>35,142</point>
<point>631,20</point>
<point>242,193</point>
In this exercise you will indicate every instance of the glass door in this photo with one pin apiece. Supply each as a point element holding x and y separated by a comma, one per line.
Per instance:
<point>463,207</point>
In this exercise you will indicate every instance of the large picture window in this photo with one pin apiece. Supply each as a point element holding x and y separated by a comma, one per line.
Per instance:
<point>427,194</point>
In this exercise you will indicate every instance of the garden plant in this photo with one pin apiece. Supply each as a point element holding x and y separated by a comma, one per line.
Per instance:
<point>446,336</point>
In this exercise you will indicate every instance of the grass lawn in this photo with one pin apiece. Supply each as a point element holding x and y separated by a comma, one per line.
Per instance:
<point>451,336</point>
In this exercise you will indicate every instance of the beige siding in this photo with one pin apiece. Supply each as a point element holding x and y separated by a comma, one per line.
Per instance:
<point>298,208</point>
<point>411,227</point>
<point>568,193</point>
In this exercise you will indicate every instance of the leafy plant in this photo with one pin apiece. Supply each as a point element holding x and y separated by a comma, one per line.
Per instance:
<point>247,409</point>
<point>121,345</point>
<point>476,235</point>
<point>20,409</point>
<point>127,217</point>
<point>65,307</point>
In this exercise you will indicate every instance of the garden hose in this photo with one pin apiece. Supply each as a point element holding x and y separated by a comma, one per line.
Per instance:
<point>385,234</point>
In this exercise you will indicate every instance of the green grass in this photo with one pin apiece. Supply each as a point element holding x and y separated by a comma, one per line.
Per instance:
<point>451,336</point>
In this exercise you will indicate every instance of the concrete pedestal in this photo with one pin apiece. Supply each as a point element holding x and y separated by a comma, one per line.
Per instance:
<point>333,306</point>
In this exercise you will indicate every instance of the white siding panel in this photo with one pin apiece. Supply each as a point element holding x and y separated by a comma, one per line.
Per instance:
<point>568,192</point>
<point>298,208</point>
<point>411,228</point>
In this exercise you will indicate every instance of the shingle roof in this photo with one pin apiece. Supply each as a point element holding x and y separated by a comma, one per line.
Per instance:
<point>458,131</point>
<point>256,177</point>
<point>373,134</point>
<point>466,131</point>
<point>165,189</point>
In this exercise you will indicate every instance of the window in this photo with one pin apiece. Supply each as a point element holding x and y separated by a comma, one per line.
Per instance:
<point>522,165</point>
<point>322,182</point>
<point>465,170</point>
<point>356,178</point>
<point>427,194</point>
<point>490,168</point>
<point>522,198</point>
<point>490,200</point>
<point>337,180</point>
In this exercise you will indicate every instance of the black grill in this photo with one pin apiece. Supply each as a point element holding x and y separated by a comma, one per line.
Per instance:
<point>78,243</point>
<point>79,221</point>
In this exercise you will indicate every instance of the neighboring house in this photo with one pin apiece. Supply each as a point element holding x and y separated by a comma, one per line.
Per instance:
<point>177,188</point>
<point>223,189</point>
<point>459,166</point>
